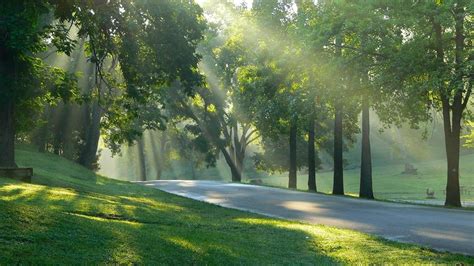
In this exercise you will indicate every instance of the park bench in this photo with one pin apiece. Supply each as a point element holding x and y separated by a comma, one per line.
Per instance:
<point>21,174</point>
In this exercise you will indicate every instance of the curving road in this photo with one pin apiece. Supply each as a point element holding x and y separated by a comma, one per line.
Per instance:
<point>438,228</point>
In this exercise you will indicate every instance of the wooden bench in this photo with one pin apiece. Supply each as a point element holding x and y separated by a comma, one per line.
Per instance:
<point>21,174</point>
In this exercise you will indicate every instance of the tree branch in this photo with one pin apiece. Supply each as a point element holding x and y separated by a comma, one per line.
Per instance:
<point>252,140</point>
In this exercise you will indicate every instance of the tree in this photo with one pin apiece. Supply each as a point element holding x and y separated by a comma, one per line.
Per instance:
<point>323,29</point>
<point>24,79</point>
<point>432,60</point>
<point>134,33</point>
<point>214,114</point>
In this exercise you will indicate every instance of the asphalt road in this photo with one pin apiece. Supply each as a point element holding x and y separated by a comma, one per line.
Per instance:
<point>438,228</point>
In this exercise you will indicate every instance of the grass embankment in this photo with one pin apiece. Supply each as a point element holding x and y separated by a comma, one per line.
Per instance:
<point>70,216</point>
<point>389,183</point>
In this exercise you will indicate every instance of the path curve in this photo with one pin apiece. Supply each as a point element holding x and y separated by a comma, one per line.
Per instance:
<point>442,229</point>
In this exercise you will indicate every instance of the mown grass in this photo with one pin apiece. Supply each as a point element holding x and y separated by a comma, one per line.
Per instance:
<point>389,182</point>
<point>71,216</point>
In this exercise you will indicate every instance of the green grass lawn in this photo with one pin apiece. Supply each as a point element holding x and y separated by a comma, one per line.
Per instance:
<point>389,183</point>
<point>71,216</point>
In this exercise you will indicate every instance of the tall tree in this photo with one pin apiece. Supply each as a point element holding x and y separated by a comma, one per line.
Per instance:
<point>324,24</point>
<point>114,30</point>
<point>431,59</point>
<point>23,31</point>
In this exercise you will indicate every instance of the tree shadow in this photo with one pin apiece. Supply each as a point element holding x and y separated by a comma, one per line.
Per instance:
<point>125,224</point>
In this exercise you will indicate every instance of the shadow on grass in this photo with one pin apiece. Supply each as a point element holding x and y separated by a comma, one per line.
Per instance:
<point>51,225</point>
<point>104,221</point>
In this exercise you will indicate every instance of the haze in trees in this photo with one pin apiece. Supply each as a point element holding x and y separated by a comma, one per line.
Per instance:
<point>317,95</point>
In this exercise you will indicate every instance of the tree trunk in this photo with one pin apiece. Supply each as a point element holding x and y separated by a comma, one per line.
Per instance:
<point>7,108</point>
<point>293,168</point>
<point>338,185</point>
<point>239,149</point>
<point>141,159</point>
<point>88,155</point>
<point>366,190</point>
<point>7,134</point>
<point>239,163</point>
<point>453,195</point>
<point>452,132</point>
<point>157,156</point>
<point>162,156</point>
<point>311,158</point>
<point>236,174</point>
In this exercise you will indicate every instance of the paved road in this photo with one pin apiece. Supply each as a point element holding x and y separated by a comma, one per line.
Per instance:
<point>442,229</point>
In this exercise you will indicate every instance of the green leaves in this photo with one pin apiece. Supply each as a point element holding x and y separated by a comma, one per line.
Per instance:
<point>137,47</point>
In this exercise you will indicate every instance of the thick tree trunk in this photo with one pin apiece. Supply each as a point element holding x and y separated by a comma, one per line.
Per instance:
<point>141,159</point>
<point>236,154</point>
<point>453,196</point>
<point>338,185</point>
<point>239,163</point>
<point>7,109</point>
<point>452,132</point>
<point>236,174</point>
<point>311,158</point>
<point>7,134</point>
<point>239,150</point>
<point>88,155</point>
<point>293,168</point>
<point>366,190</point>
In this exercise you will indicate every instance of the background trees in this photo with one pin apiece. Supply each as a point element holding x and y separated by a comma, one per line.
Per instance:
<point>151,44</point>
<point>24,78</point>
<point>288,83</point>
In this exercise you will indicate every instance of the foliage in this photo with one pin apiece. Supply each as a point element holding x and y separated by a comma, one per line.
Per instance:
<point>469,143</point>
<point>137,47</point>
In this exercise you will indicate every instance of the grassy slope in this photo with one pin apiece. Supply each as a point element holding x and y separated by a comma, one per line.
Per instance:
<point>71,216</point>
<point>389,183</point>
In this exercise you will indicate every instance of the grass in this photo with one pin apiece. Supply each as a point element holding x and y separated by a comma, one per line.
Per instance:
<point>70,216</point>
<point>390,184</point>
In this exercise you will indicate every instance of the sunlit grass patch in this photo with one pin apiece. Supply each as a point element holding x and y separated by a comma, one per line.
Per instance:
<point>66,220</point>
<point>355,247</point>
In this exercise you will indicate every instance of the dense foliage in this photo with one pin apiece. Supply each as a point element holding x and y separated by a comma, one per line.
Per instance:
<point>285,82</point>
